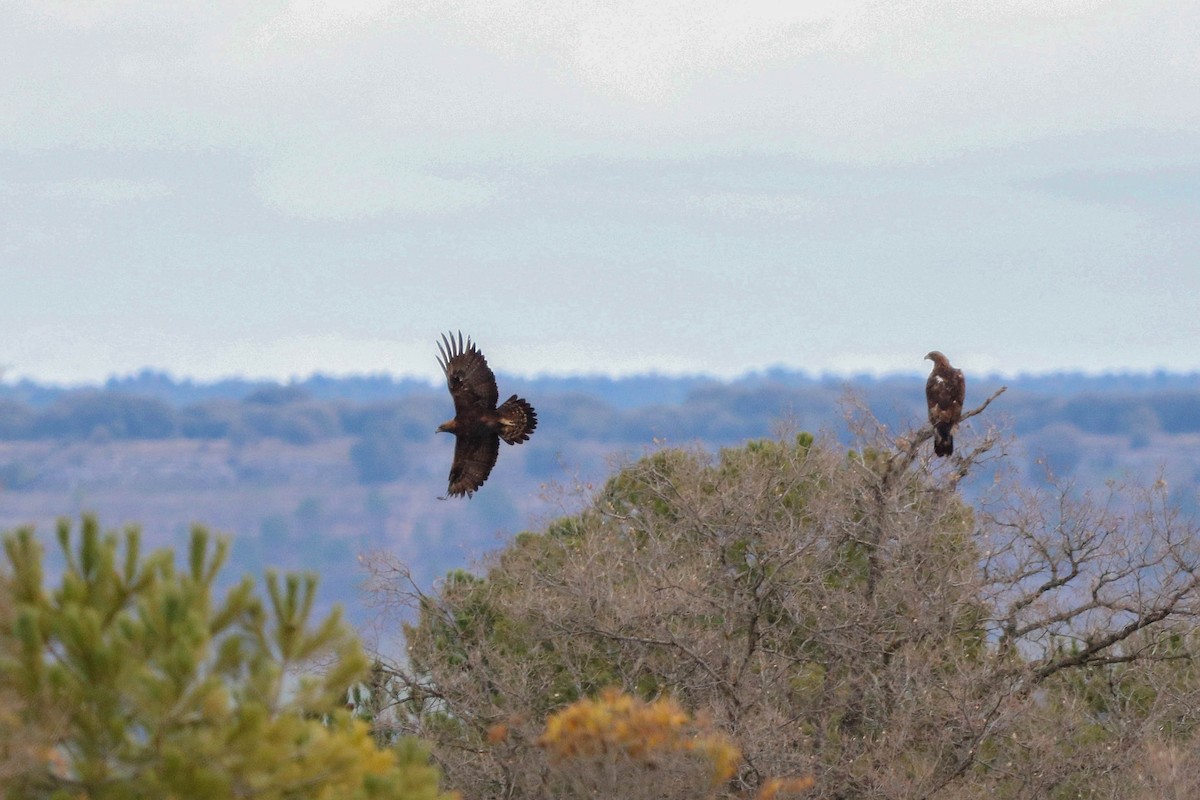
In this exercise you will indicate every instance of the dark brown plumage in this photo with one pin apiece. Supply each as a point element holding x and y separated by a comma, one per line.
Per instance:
<point>944,392</point>
<point>478,423</point>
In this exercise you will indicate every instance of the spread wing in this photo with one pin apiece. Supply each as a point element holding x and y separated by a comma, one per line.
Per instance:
<point>474,457</point>
<point>470,380</point>
<point>944,393</point>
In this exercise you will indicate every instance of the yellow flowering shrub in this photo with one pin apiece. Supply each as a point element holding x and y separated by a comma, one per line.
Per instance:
<point>658,736</point>
<point>779,788</point>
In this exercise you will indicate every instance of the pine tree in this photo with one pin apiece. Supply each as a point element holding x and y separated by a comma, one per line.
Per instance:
<point>162,688</point>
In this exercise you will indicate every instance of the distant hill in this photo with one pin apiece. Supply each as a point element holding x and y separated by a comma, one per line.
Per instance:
<point>622,411</point>
<point>312,473</point>
<point>621,392</point>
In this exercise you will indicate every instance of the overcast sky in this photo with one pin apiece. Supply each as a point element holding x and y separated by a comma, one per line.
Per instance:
<point>273,189</point>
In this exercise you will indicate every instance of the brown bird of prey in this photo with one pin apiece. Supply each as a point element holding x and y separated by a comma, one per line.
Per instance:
<point>944,392</point>
<point>478,424</point>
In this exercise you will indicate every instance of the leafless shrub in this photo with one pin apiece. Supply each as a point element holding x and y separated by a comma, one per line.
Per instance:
<point>845,616</point>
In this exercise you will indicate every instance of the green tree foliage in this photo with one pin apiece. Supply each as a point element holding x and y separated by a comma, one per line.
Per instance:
<point>26,734</point>
<point>166,687</point>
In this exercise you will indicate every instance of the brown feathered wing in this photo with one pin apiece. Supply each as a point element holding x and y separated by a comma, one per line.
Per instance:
<point>474,457</point>
<point>469,378</point>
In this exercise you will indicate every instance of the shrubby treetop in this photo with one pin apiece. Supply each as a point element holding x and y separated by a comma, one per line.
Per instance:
<point>840,615</point>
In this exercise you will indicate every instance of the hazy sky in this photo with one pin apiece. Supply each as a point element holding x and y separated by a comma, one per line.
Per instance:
<point>278,188</point>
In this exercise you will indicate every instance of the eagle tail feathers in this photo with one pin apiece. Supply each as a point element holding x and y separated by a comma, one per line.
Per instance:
<point>517,420</point>
<point>943,440</point>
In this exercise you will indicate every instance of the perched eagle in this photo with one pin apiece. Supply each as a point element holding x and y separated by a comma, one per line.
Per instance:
<point>944,392</point>
<point>478,424</point>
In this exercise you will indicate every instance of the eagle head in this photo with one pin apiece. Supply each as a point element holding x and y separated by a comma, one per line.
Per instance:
<point>448,427</point>
<point>936,357</point>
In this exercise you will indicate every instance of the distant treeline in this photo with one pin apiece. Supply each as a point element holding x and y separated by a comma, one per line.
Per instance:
<point>623,392</point>
<point>631,410</point>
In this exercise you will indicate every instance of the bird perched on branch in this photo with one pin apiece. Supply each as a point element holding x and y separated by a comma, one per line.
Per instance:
<point>944,393</point>
<point>478,423</point>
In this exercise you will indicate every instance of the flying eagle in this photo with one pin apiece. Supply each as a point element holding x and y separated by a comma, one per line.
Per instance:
<point>478,424</point>
<point>944,392</point>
